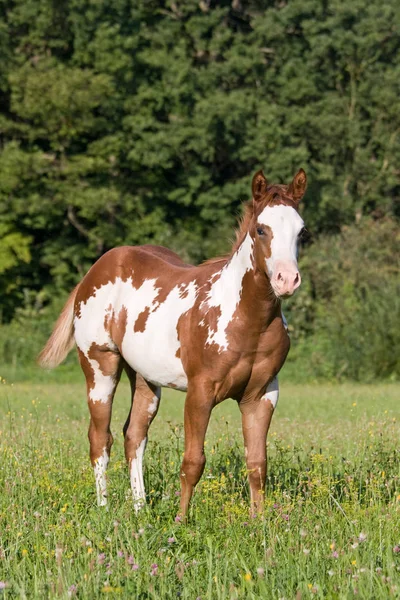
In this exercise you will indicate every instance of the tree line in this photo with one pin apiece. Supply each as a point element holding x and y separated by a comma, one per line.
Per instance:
<point>142,121</point>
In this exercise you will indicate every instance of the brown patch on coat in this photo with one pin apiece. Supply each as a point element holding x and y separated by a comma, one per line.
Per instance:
<point>262,247</point>
<point>178,353</point>
<point>213,314</point>
<point>106,358</point>
<point>87,370</point>
<point>140,323</point>
<point>118,327</point>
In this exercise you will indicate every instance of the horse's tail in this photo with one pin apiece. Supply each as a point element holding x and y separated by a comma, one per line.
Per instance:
<point>61,340</point>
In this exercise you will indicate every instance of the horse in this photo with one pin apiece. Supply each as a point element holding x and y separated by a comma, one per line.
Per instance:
<point>215,331</point>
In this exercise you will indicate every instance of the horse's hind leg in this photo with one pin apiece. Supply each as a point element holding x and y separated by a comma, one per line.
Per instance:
<point>145,402</point>
<point>102,368</point>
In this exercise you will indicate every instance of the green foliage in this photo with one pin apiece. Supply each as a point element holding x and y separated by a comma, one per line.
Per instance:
<point>347,319</point>
<point>130,123</point>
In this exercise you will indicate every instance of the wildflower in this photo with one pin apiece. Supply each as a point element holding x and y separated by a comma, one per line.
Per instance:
<point>130,560</point>
<point>331,573</point>
<point>260,572</point>
<point>101,558</point>
<point>171,540</point>
<point>362,537</point>
<point>178,519</point>
<point>306,551</point>
<point>135,567</point>
<point>355,545</point>
<point>154,569</point>
<point>24,552</point>
<point>72,590</point>
<point>354,562</point>
<point>335,554</point>
<point>396,549</point>
<point>120,554</point>
<point>247,576</point>
<point>90,550</point>
<point>3,585</point>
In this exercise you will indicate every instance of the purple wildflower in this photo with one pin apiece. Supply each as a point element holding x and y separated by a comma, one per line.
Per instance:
<point>335,554</point>
<point>171,540</point>
<point>178,519</point>
<point>135,567</point>
<point>154,569</point>
<point>72,590</point>
<point>130,560</point>
<point>396,549</point>
<point>101,558</point>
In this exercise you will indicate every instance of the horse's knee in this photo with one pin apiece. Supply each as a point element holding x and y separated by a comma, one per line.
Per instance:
<point>256,470</point>
<point>192,468</point>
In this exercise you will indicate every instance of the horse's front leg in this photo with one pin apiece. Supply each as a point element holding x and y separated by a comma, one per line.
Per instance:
<point>256,419</point>
<point>198,407</point>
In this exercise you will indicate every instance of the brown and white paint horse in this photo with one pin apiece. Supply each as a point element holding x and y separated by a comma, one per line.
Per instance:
<point>215,330</point>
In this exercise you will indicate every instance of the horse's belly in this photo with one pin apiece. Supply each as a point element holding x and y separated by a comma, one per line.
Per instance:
<point>153,355</point>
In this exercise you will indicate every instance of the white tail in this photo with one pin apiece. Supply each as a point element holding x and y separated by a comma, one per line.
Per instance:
<point>61,340</point>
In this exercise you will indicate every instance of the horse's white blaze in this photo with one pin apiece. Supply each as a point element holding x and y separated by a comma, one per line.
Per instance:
<point>99,469</point>
<point>226,291</point>
<point>272,392</point>
<point>285,224</point>
<point>136,474</point>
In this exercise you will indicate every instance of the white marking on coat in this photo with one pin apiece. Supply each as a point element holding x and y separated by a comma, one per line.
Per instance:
<point>99,469</point>
<point>272,392</point>
<point>137,483</point>
<point>285,323</point>
<point>151,409</point>
<point>286,224</point>
<point>151,352</point>
<point>226,291</point>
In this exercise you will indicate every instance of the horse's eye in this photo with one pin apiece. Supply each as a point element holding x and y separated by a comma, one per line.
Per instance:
<point>260,231</point>
<point>302,233</point>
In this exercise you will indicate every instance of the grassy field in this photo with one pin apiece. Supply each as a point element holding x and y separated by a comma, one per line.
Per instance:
<point>331,527</point>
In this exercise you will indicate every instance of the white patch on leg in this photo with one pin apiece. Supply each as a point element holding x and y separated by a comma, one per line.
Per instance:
<point>272,393</point>
<point>151,409</point>
<point>137,483</point>
<point>99,469</point>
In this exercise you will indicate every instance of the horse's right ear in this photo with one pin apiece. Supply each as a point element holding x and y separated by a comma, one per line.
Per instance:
<point>259,186</point>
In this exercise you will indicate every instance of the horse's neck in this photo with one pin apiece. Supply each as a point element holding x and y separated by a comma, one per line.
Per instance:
<point>226,283</point>
<point>238,283</point>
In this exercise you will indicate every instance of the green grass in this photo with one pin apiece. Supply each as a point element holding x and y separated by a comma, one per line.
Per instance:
<point>331,527</point>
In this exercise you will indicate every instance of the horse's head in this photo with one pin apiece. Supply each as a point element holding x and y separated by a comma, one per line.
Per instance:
<point>276,228</point>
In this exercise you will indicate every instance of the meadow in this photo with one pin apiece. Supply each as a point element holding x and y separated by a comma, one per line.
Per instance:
<point>331,527</point>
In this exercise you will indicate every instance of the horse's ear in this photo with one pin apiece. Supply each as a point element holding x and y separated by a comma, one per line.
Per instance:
<point>298,186</point>
<point>259,185</point>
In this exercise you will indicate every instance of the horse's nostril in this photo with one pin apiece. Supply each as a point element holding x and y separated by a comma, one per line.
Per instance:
<point>280,277</point>
<point>296,279</point>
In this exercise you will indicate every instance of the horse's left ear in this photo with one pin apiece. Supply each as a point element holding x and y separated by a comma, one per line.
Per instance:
<point>298,186</point>
<point>259,186</point>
